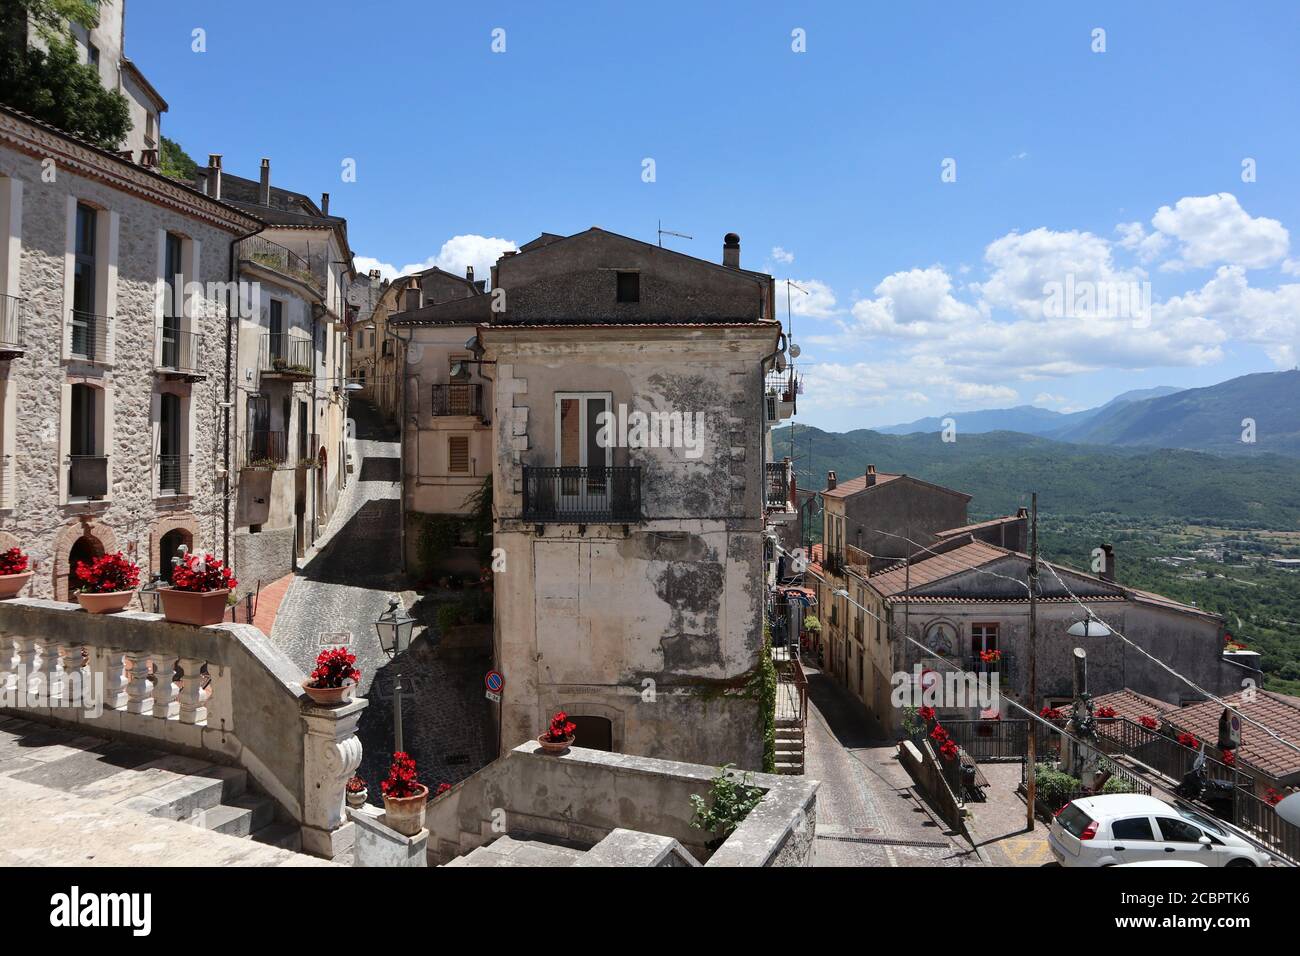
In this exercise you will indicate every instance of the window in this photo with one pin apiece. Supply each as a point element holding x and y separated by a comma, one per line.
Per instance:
<point>92,54</point>
<point>170,477</point>
<point>87,464</point>
<point>361,340</point>
<point>85,324</point>
<point>174,305</point>
<point>458,454</point>
<point>577,426</point>
<point>458,367</point>
<point>629,287</point>
<point>983,637</point>
<point>150,128</point>
<point>1134,828</point>
<point>1178,831</point>
<point>277,329</point>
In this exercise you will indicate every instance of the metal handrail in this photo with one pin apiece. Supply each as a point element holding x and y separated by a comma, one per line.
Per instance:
<point>282,353</point>
<point>13,314</point>
<point>180,350</point>
<point>89,336</point>
<point>87,476</point>
<point>271,255</point>
<point>573,493</point>
<point>457,399</point>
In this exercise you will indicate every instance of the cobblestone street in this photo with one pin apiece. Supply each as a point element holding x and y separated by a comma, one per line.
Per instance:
<point>867,812</point>
<point>335,599</point>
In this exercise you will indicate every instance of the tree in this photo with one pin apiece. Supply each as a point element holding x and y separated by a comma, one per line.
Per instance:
<point>52,85</point>
<point>177,163</point>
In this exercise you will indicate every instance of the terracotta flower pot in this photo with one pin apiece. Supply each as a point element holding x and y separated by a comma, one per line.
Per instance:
<point>105,602</point>
<point>406,814</point>
<point>200,608</point>
<point>329,696</point>
<point>357,800</point>
<point>555,746</point>
<point>11,584</point>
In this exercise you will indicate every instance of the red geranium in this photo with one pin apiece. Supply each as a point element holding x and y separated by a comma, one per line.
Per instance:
<point>1150,723</point>
<point>949,750</point>
<point>938,735</point>
<point>334,668</point>
<point>402,781</point>
<point>1106,712</point>
<point>1188,740</point>
<point>356,784</point>
<point>1272,797</point>
<point>13,561</point>
<point>990,657</point>
<point>108,573</point>
<point>1052,714</point>
<point>202,573</point>
<point>1230,758</point>
<point>442,788</point>
<point>561,729</point>
<point>925,713</point>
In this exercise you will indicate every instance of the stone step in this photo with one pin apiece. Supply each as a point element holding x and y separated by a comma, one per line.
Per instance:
<point>286,836</point>
<point>789,768</point>
<point>510,850</point>
<point>241,816</point>
<point>183,798</point>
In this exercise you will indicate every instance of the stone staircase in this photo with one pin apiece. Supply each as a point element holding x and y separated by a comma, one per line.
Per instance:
<point>522,849</point>
<point>137,778</point>
<point>789,746</point>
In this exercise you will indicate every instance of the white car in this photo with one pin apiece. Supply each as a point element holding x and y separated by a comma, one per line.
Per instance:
<point>1121,828</point>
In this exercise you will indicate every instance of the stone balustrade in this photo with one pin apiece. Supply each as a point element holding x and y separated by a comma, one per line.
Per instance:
<point>223,693</point>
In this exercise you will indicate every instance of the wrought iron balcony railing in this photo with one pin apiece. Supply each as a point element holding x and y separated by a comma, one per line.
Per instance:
<point>173,475</point>
<point>87,476</point>
<point>462,399</point>
<point>13,318</point>
<point>271,255</point>
<point>7,481</point>
<point>89,336</point>
<point>573,494</point>
<point>777,484</point>
<point>289,356</point>
<point>265,449</point>
<point>180,351</point>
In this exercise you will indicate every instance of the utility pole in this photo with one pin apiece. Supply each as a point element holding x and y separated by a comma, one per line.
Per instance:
<point>1032,740</point>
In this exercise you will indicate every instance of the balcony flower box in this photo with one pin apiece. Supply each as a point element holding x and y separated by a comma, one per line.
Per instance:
<point>334,678</point>
<point>200,589</point>
<point>14,573</point>
<point>559,736</point>
<point>405,798</point>
<point>107,584</point>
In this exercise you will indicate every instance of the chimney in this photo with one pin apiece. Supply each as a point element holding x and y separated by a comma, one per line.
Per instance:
<point>264,191</point>
<point>1022,512</point>
<point>374,276</point>
<point>830,481</point>
<point>214,175</point>
<point>412,296</point>
<point>469,274</point>
<point>871,475</point>
<point>731,250</point>
<point>1107,563</point>
<point>324,204</point>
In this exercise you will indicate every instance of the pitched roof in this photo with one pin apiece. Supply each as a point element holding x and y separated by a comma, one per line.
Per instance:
<point>1130,704</point>
<point>935,567</point>
<point>979,526</point>
<point>852,486</point>
<point>1279,713</point>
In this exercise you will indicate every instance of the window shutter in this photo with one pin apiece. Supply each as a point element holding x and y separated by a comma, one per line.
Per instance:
<point>458,453</point>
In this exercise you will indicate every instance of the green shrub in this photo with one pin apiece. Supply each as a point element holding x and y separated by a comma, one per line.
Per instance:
<point>728,803</point>
<point>1054,788</point>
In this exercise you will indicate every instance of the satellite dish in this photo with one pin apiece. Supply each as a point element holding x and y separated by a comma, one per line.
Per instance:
<point>794,350</point>
<point>1289,809</point>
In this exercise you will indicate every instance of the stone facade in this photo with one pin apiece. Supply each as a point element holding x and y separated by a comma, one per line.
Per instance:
<point>43,178</point>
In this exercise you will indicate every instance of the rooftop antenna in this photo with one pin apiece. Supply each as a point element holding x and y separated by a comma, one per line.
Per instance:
<point>668,232</point>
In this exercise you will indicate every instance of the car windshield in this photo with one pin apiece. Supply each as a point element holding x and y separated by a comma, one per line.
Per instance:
<point>1073,820</point>
<point>1202,821</point>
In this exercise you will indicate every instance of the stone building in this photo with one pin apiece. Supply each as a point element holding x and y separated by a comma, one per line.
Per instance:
<point>633,586</point>
<point>113,281</point>
<point>288,393</point>
<point>104,47</point>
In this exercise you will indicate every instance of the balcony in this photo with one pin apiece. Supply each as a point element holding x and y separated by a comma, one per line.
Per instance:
<point>89,336</point>
<point>458,400</point>
<point>781,391</point>
<point>305,454</point>
<point>87,476</point>
<point>13,316</point>
<point>265,450</point>
<point>287,357</point>
<point>173,475</point>
<point>7,481</point>
<point>777,478</point>
<point>280,259</point>
<point>578,494</point>
<point>179,354</point>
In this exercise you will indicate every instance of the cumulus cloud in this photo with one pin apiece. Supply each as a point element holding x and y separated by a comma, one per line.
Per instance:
<point>782,256</point>
<point>456,254</point>
<point>1214,229</point>
<point>817,301</point>
<point>913,304</point>
<point>1266,317</point>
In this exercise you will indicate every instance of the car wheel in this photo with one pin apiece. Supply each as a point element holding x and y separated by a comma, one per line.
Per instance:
<point>1240,862</point>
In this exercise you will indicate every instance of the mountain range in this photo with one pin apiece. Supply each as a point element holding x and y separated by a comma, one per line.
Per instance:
<point>1220,418</point>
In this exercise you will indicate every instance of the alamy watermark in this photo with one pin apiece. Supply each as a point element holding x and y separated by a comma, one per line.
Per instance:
<point>922,687</point>
<point>38,689</point>
<point>655,429</point>
<point>1084,298</point>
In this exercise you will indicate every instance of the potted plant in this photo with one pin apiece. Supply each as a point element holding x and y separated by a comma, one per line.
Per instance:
<point>405,798</point>
<point>107,584</point>
<point>356,792</point>
<point>13,572</point>
<point>334,678</point>
<point>727,805</point>
<point>559,736</point>
<point>1108,714</point>
<point>200,586</point>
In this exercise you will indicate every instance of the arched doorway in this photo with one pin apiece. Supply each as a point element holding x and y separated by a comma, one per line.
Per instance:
<point>85,549</point>
<point>169,547</point>
<point>594,733</point>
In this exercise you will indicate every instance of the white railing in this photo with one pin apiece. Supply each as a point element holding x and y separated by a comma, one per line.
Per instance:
<point>136,676</point>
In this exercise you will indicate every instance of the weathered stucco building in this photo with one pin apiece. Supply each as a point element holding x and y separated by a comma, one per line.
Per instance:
<point>632,590</point>
<point>113,285</point>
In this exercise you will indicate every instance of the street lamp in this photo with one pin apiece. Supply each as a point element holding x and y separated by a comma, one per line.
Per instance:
<point>1089,627</point>
<point>394,629</point>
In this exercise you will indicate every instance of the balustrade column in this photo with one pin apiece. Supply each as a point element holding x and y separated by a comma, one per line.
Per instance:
<point>110,661</point>
<point>138,691</point>
<point>331,754</point>
<point>73,675</point>
<point>8,663</point>
<point>26,665</point>
<point>164,690</point>
<point>191,707</point>
<point>48,672</point>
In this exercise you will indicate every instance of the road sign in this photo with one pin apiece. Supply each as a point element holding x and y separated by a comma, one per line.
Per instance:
<point>495,698</point>
<point>494,682</point>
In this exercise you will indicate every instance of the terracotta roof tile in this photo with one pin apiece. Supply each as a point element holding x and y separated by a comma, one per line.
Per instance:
<point>1279,713</point>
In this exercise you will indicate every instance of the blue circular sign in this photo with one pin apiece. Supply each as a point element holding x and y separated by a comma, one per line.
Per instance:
<point>494,682</point>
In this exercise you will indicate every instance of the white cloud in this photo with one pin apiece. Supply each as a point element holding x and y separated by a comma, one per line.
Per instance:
<point>912,304</point>
<point>1266,317</point>
<point>782,256</point>
<point>818,303</point>
<point>1147,246</point>
<point>1215,229</point>
<point>456,253</point>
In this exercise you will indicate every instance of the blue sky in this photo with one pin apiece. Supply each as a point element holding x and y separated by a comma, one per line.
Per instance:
<point>1106,169</point>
